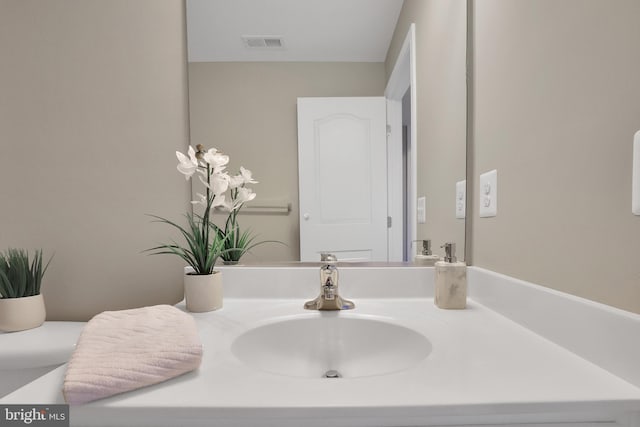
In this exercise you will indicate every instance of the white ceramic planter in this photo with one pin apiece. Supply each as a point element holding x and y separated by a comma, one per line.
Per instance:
<point>18,314</point>
<point>203,292</point>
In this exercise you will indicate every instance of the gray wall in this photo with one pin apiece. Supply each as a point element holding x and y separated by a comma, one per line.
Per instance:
<point>248,110</point>
<point>93,107</point>
<point>441,109</point>
<point>557,102</point>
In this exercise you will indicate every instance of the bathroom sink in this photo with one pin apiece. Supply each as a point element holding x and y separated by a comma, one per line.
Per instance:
<point>331,345</point>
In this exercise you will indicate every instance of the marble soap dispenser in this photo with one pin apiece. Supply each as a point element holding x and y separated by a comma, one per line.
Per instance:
<point>451,280</point>
<point>425,257</point>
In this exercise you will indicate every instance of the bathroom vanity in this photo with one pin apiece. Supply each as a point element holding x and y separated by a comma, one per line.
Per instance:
<point>518,354</point>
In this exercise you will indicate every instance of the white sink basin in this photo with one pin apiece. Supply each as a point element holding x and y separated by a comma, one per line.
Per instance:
<point>310,346</point>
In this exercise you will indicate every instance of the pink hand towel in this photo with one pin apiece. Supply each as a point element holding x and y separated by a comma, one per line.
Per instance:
<point>120,351</point>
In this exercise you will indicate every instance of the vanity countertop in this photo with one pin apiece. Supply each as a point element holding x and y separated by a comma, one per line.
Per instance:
<point>483,368</point>
<point>24,349</point>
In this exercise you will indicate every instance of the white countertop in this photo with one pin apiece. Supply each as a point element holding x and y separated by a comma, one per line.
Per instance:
<point>483,368</point>
<point>25,349</point>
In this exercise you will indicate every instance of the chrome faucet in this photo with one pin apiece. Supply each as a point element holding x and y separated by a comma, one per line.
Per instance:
<point>329,299</point>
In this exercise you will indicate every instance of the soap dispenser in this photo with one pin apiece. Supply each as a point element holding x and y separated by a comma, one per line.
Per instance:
<point>451,280</point>
<point>425,257</point>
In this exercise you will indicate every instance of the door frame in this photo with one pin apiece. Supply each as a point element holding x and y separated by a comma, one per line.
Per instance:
<point>403,77</point>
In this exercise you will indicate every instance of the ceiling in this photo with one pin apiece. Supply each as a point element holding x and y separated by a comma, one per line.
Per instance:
<point>312,30</point>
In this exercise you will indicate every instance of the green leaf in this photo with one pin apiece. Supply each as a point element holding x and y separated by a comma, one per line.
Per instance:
<point>237,243</point>
<point>18,277</point>
<point>6,290</point>
<point>201,248</point>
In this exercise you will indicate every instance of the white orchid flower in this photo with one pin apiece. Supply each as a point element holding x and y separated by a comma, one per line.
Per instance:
<point>187,165</point>
<point>219,183</point>
<point>217,161</point>
<point>217,201</point>
<point>236,181</point>
<point>246,175</point>
<point>244,195</point>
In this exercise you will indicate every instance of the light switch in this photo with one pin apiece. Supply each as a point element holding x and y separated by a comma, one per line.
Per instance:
<point>489,194</point>
<point>635,185</point>
<point>422,210</point>
<point>461,199</point>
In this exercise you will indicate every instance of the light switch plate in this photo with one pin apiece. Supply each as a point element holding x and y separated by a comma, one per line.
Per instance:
<point>461,199</point>
<point>489,194</point>
<point>422,210</point>
<point>635,185</point>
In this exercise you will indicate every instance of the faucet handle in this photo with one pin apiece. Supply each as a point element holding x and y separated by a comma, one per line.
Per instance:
<point>426,247</point>
<point>450,252</point>
<point>328,258</point>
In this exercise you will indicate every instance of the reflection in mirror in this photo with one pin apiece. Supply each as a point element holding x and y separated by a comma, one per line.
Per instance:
<point>250,61</point>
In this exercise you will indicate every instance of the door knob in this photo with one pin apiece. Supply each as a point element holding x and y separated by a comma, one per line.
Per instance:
<point>306,216</point>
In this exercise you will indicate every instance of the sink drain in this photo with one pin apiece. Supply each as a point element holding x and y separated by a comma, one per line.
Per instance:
<point>331,373</point>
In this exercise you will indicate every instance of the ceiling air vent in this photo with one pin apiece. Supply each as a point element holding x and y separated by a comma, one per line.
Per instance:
<point>263,42</point>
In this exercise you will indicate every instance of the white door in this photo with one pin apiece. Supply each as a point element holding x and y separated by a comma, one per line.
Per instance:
<point>342,170</point>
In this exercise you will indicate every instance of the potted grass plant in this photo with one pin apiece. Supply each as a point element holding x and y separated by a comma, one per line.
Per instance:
<point>21,303</point>
<point>205,242</point>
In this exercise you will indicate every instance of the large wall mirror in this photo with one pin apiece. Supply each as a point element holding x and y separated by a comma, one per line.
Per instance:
<point>250,61</point>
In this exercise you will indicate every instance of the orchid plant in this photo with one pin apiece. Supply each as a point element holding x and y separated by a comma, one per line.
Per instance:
<point>206,242</point>
<point>237,243</point>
